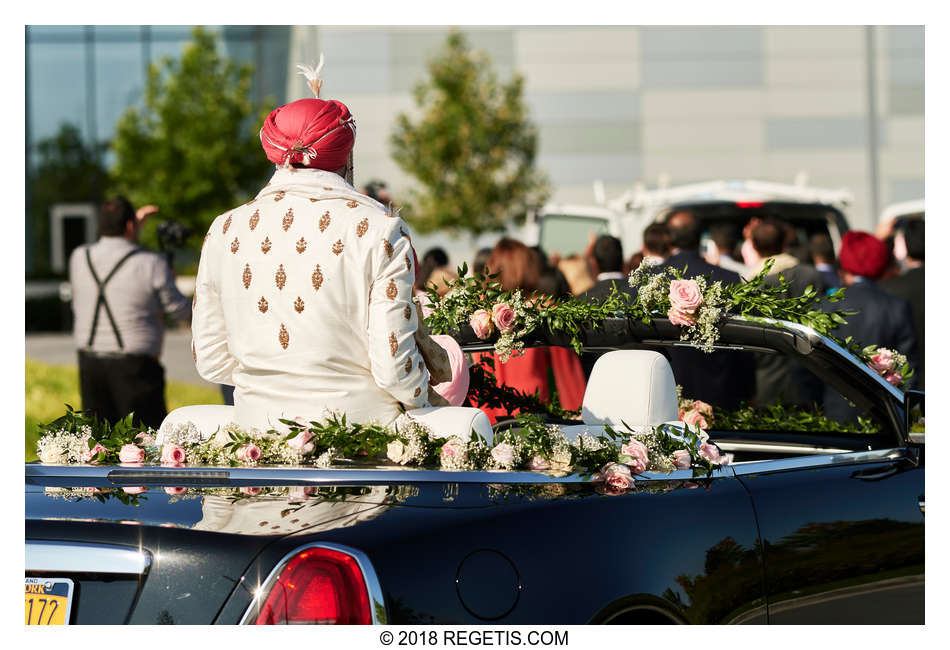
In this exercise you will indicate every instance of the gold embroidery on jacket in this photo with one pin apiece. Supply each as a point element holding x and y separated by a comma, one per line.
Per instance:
<point>404,234</point>
<point>422,366</point>
<point>283,337</point>
<point>280,277</point>
<point>352,204</point>
<point>338,247</point>
<point>407,312</point>
<point>325,221</point>
<point>262,305</point>
<point>393,343</point>
<point>227,224</point>
<point>408,366</point>
<point>301,245</point>
<point>417,393</point>
<point>391,290</point>
<point>265,245</point>
<point>288,219</point>
<point>255,218</point>
<point>247,276</point>
<point>313,200</point>
<point>362,227</point>
<point>388,248</point>
<point>298,305</point>
<point>408,263</point>
<point>280,194</point>
<point>317,278</point>
<point>235,245</point>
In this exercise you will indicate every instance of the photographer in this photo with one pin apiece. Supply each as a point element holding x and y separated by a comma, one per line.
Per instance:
<point>120,295</point>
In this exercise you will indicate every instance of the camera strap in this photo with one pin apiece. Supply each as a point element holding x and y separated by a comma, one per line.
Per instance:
<point>101,299</point>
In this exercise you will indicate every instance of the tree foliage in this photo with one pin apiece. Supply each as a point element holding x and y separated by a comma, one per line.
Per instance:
<point>67,171</point>
<point>193,149</point>
<point>472,150</point>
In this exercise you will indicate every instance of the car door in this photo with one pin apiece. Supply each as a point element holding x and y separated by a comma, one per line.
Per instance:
<point>842,536</point>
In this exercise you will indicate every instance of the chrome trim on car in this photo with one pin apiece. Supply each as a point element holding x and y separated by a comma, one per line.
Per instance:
<point>377,604</point>
<point>81,557</point>
<point>805,450</point>
<point>807,462</point>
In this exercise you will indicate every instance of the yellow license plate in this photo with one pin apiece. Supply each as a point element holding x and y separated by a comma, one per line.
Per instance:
<point>48,601</point>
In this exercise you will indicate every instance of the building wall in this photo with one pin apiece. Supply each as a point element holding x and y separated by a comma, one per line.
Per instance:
<point>621,104</point>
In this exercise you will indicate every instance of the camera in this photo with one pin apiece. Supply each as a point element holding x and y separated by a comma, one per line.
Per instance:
<point>172,235</point>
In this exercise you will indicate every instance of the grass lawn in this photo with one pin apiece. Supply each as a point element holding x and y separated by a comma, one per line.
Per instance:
<point>49,388</point>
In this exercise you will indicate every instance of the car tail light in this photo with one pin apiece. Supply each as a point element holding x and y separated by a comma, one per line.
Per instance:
<point>749,204</point>
<point>317,586</point>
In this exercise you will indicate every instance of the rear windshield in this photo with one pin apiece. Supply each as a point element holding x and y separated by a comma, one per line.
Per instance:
<point>568,234</point>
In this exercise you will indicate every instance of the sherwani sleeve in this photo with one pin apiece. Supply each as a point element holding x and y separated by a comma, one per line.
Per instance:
<point>395,360</point>
<point>209,338</point>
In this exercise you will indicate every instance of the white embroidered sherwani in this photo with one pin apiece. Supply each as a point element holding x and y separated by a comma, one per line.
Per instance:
<point>303,303</point>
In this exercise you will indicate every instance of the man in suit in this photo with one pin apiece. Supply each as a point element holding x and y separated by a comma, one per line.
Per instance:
<point>823,257</point>
<point>685,235</point>
<point>606,260</point>
<point>910,286</point>
<point>882,319</point>
<point>768,239</point>
<point>722,378</point>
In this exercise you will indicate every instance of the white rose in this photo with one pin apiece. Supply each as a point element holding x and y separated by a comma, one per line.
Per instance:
<point>504,454</point>
<point>396,451</point>
<point>52,454</point>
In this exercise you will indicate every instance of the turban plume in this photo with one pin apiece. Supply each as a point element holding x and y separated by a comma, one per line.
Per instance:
<point>863,254</point>
<point>314,132</point>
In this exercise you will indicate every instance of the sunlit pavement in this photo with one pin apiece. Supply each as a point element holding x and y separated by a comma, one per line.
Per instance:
<point>176,354</point>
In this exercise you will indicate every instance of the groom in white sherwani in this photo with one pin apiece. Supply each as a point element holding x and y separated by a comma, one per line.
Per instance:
<point>304,294</point>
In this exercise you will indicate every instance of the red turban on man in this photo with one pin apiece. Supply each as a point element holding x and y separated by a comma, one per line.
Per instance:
<point>314,132</point>
<point>863,254</point>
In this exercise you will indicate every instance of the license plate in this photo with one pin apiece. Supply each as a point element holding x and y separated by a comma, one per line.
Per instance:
<point>48,601</point>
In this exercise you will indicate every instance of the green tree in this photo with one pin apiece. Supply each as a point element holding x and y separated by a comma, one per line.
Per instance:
<point>472,149</point>
<point>67,171</point>
<point>194,149</point>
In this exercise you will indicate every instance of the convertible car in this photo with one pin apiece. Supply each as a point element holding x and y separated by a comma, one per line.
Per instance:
<point>814,521</point>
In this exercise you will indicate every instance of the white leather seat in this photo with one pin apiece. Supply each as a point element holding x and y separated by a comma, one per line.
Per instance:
<point>632,387</point>
<point>444,421</point>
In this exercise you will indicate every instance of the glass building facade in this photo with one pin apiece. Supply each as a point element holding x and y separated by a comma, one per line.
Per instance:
<point>86,76</point>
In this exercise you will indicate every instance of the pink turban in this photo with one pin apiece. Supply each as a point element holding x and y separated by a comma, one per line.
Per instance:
<point>315,132</point>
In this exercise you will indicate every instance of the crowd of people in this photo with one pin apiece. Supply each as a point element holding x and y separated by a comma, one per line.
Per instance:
<point>883,274</point>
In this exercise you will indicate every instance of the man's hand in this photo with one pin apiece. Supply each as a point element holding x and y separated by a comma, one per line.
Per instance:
<point>143,213</point>
<point>435,356</point>
<point>435,399</point>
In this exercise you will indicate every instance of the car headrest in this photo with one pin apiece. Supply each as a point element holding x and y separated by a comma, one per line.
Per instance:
<point>633,387</point>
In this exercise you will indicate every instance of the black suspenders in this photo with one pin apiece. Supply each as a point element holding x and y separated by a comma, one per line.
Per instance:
<point>101,300</point>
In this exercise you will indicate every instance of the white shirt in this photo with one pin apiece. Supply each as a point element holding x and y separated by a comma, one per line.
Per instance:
<point>303,304</point>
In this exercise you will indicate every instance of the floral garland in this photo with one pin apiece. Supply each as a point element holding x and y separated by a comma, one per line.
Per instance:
<point>695,304</point>
<point>532,445</point>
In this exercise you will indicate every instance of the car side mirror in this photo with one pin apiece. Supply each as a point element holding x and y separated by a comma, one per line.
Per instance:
<point>914,416</point>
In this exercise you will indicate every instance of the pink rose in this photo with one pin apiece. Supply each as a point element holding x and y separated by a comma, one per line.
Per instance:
<point>685,296</point>
<point>710,452</point>
<point>504,454</point>
<point>175,490</point>
<point>249,453</point>
<point>681,318</point>
<point>453,454</point>
<point>135,490</point>
<point>173,454</point>
<point>95,451</point>
<point>635,454</point>
<point>503,316</point>
<point>539,464</point>
<point>682,459</point>
<point>301,442</point>
<point>481,323</point>
<point>616,475</point>
<point>144,438</point>
<point>131,453</point>
<point>893,378</point>
<point>250,491</point>
<point>883,360</point>
<point>703,408</point>
<point>726,459</point>
<point>301,491</point>
<point>695,419</point>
